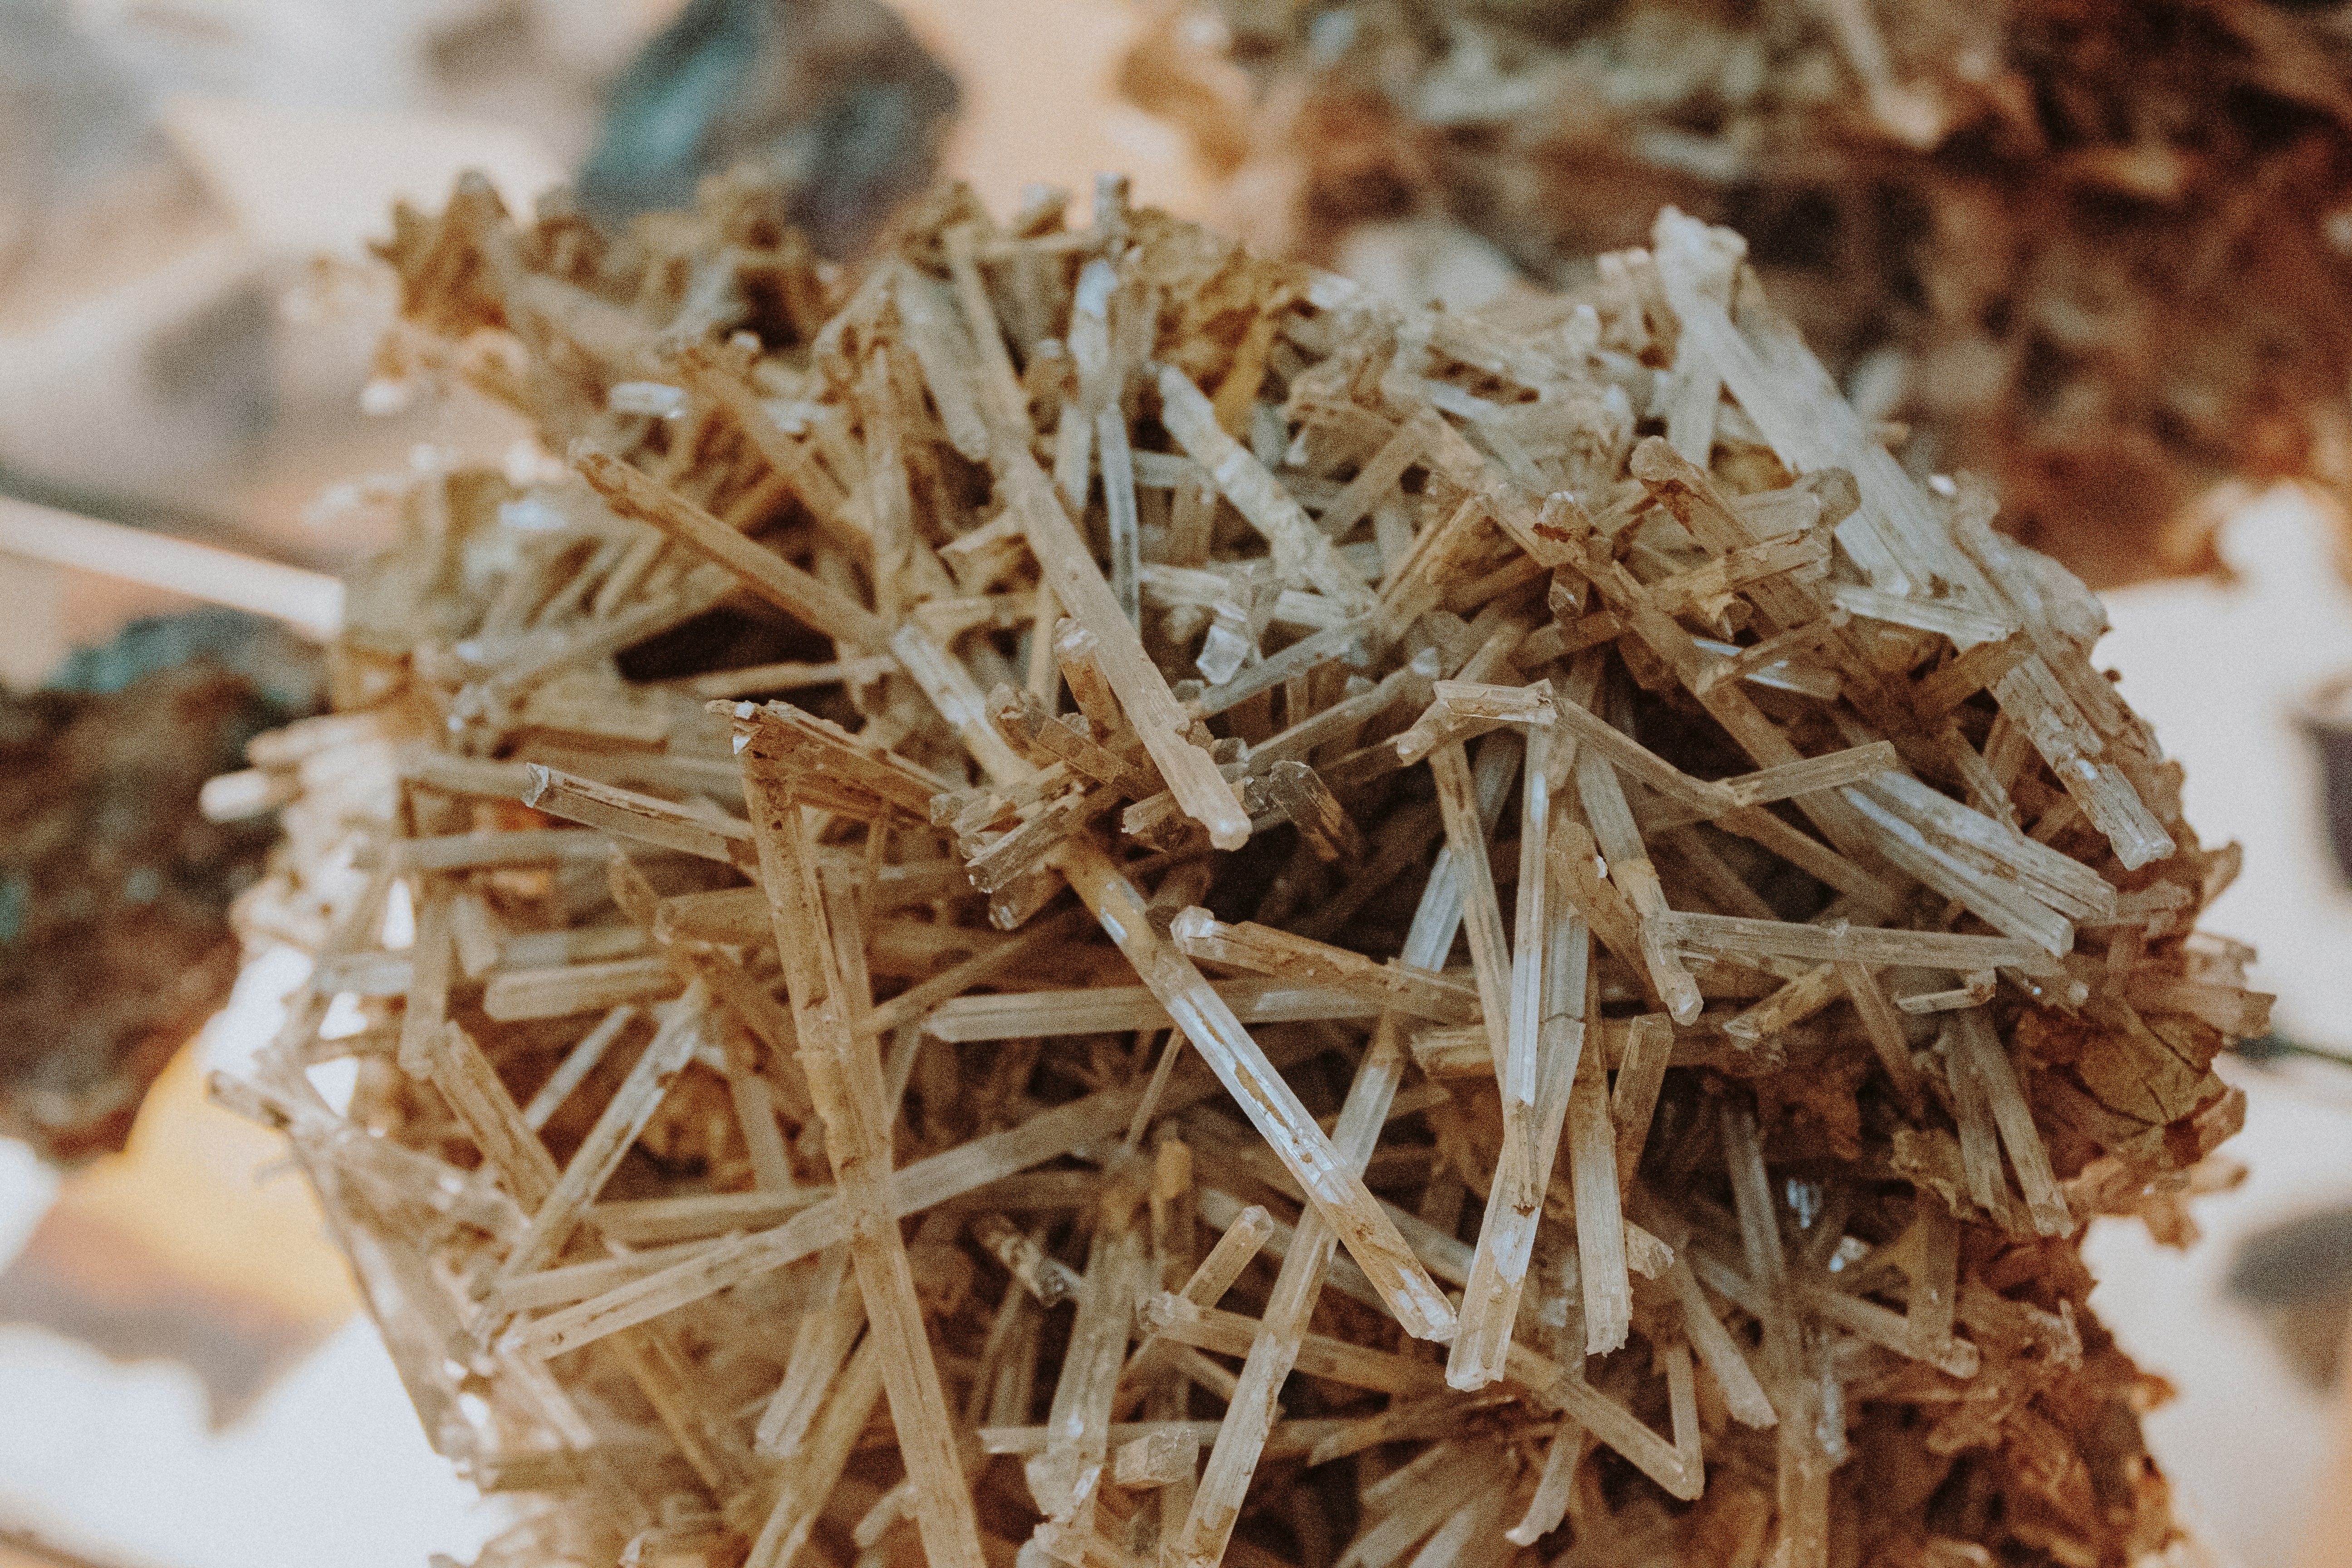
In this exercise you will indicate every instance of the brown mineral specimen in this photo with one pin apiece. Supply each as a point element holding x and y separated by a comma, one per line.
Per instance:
<point>1094,892</point>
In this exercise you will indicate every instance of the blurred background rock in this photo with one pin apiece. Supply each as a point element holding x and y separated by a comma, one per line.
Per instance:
<point>114,889</point>
<point>2101,252</point>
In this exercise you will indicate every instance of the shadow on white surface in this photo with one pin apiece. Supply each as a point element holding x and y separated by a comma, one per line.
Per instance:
<point>331,1468</point>
<point>2246,1442</point>
<point>2220,670</point>
<point>117,1461</point>
<point>26,1187</point>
